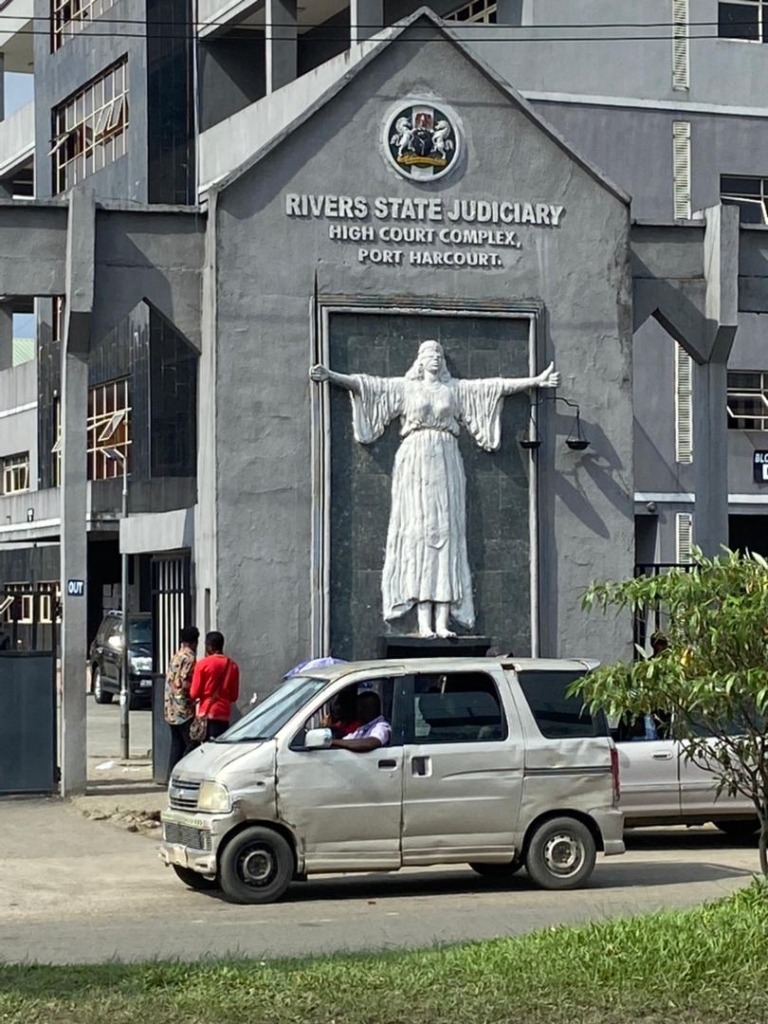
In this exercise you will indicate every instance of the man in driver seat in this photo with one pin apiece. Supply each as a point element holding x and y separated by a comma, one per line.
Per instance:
<point>375,730</point>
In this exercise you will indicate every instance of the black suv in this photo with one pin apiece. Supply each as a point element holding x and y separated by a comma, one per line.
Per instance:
<point>105,655</point>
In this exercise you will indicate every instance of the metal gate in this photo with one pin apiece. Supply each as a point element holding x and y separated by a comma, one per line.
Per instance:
<point>171,604</point>
<point>28,640</point>
<point>171,611</point>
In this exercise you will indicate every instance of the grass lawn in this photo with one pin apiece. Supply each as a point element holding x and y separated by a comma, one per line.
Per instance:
<point>704,966</point>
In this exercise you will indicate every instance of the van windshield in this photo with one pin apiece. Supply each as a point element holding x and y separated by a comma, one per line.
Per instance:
<point>267,718</point>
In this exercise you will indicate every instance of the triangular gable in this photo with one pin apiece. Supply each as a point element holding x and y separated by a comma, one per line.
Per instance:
<point>394,33</point>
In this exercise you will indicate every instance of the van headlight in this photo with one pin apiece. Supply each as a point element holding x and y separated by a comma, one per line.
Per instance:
<point>214,797</point>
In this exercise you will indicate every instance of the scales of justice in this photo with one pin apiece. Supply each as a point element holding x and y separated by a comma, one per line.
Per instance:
<point>426,561</point>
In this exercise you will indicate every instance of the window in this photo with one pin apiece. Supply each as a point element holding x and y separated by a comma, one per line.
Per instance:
<point>479,11</point>
<point>681,65</point>
<point>749,194</point>
<point>557,715</point>
<point>681,169</point>
<point>683,405</point>
<point>743,19</point>
<point>71,16</point>
<point>109,432</point>
<point>462,707</point>
<point>646,728</point>
<point>748,401</point>
<point>89,128</point>
<point>16,473</point>
<point>683,537</point>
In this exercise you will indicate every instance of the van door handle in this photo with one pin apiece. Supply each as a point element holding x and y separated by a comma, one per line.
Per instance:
<point>420,766</point>
<point>662,755</point>
<point>388,764</point>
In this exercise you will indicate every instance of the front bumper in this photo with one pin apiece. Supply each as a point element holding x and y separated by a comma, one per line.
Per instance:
<point>192,840</point>
<point>141,685</point>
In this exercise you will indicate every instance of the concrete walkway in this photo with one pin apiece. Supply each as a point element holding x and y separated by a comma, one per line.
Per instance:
<point>73,889</point>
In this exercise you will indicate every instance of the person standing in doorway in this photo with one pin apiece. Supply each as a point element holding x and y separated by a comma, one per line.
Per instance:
<point>215,688</point>
<point>179,706</point>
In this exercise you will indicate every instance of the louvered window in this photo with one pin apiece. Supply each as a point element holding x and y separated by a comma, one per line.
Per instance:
<point>681,141</point>
<point>683,406</point>
<point>681,66</point>
<point>684,536</point>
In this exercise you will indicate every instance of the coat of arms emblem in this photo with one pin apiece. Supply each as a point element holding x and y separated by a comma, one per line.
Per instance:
<point>422,141</point>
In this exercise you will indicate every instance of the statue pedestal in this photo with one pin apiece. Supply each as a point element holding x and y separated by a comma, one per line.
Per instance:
<point>391,647</point>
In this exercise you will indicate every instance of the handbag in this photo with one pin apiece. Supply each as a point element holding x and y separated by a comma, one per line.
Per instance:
<point>198,730</point>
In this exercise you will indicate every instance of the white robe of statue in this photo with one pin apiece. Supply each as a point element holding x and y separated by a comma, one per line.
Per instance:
<point>426,561</point>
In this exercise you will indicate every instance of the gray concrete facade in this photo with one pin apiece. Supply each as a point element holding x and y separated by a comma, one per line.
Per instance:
<point>614,292</point>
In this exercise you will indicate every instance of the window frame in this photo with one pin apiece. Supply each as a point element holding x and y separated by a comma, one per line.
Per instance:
<point>86,134</point>
<point>409,718</point>
<point>759,198</point>
<point>762,21</point>
<point>757,394</point>
<point>99,438</point>
<point>486,14</point>
<point>13,465</point>
<point>65,24</point>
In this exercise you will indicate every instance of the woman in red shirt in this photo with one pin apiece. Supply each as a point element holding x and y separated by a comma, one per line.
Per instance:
<point>215,685</point>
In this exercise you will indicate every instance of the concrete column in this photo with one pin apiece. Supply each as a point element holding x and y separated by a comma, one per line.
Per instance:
<point>6,337</point>
<point>509,12</point>
<point>710,385</point>
<point>81,236</point>
<point>281,43</point>
<point>366,18</point>
<point>2,86</point>
<point>710,456</point>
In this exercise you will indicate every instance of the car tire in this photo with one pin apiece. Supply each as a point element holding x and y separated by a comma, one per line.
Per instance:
<point>256,866</point>
<point>561,854</point>
<point>194,880</point>
<point>497,872</point>
<point>100,695</point>
<point>739,828</point>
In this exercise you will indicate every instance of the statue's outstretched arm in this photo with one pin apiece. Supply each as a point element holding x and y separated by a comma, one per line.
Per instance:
<point>549,378</point>
<point>319,374</point>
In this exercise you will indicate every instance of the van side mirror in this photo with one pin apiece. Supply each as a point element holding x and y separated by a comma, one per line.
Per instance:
<point>318,739</point>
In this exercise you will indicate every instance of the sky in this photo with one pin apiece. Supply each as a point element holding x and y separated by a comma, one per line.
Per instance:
<point>19,90</point>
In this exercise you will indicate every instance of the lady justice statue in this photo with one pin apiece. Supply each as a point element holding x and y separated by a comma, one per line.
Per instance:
<point>426,561</point>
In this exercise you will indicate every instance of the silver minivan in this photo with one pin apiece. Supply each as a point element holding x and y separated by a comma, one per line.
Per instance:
<point>485,762</point>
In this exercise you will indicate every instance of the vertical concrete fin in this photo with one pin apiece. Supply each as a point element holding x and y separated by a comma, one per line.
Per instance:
<point>81,244</point>
<point>366,18</point>
<point>281,40</point>
<point>710,447</point>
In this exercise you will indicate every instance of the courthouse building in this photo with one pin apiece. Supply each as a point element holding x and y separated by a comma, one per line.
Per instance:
<point>220,204</point>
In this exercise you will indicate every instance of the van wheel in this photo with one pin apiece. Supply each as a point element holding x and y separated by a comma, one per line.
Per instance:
<point>739,828</point>
<point>561,854</point>
<point>256,866</point>
<point>202,883</point>
<point>99,693</point>
<point>497,872</point>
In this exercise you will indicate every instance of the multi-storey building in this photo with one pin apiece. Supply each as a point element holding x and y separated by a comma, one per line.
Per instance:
<point>160,101</point>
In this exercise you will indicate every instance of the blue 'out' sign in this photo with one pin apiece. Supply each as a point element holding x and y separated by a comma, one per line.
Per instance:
<point>76,588</point>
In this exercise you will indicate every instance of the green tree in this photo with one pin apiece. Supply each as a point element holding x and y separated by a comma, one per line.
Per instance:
<point>713,676</point>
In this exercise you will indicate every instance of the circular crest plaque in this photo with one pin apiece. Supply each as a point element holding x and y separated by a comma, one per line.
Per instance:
<point>422,141</point>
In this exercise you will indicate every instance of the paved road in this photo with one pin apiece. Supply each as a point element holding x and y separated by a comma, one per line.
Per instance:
<point>73,890</point>
<point>104,730</point>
